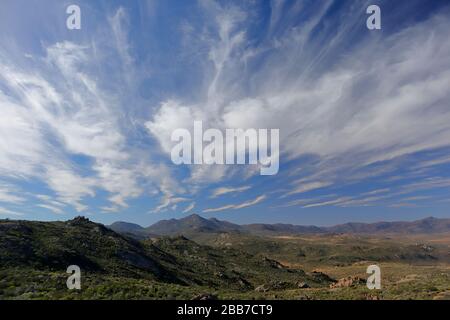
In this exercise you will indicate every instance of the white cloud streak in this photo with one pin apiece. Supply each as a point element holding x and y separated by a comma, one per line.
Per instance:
<point>53,209</point>
<point>189,207</point>
<point>226,190</point>
<point>237,206</point>
<point>4,211</point>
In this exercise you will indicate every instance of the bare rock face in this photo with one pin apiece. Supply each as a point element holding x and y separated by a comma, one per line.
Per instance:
<point>347,282</point>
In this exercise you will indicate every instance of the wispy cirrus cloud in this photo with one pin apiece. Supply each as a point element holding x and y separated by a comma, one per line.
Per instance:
<point>4,211</point>
<point>308,186</point>
<point>7,195</point>
<point>189,207</point>
<point>169,202</point>
<point>53,209</point>
<point>89,117</point>
<point>226,190</point>
<point>56,109</point>
<point>237,206</point>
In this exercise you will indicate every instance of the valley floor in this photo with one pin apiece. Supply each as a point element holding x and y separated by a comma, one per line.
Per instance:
<point>400,281</point>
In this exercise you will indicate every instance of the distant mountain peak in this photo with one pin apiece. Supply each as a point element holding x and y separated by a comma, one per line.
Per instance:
<point>194,216</point>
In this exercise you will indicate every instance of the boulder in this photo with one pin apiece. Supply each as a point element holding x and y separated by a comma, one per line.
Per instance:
<point>302,285</point>
<point>205,296</point>
<point>347,282</point>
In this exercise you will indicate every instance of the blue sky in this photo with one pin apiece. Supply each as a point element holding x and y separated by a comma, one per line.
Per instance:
<point>86,115</point>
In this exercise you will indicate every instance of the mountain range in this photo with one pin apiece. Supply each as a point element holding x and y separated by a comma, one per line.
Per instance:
<point>196,224</point>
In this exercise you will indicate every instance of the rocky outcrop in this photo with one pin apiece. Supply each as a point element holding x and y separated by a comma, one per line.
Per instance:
<point>272,263</point>
<point>321,277</point>
<point>302,285</point>
<point>347,282</point>
<point>205,296</point>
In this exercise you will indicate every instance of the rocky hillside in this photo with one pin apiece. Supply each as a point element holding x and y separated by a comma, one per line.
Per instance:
<point>53,246</point>
<point>93,247</point>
